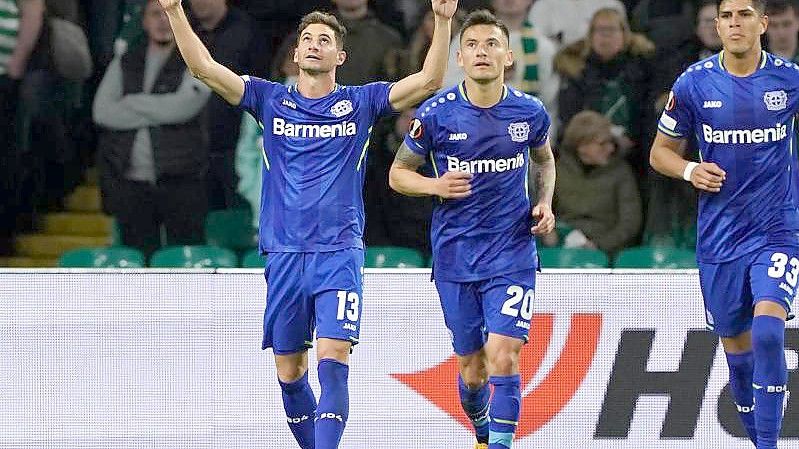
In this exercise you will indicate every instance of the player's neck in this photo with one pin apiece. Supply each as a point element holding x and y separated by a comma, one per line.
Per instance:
<point>484,95</point>
<point>743,64</point>
<point>316,85</point>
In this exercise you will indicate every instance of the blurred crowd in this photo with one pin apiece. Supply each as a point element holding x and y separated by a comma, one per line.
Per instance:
<point>99,84</point>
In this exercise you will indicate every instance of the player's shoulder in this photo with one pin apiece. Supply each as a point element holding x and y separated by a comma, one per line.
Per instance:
<point>524,100</point>
<point>440,103</point>
<point>255,82</point>
<point>363,88</point>
<point>779,66</point>
<point>699,71</point>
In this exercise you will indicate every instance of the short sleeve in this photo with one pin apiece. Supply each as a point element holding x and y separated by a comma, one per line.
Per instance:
<point>376,96</point>
<point>256,93</point>
<point>539,132</point>
<point>419,139</point>
<point>677,118</point>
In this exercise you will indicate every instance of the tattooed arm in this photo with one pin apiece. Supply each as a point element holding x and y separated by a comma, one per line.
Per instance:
<point>404,179</point>
<point>544,160</point>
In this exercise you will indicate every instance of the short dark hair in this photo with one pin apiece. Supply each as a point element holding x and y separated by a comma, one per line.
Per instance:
<point>759,5</point>
<point>324,19</point>
<point>483,17</point>
<point>777,7</point>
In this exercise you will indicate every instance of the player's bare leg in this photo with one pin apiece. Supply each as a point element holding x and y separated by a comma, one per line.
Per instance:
<point>334,402</point>
<point>298,398</point>
<point>474,393</point>
<point>503,366</point>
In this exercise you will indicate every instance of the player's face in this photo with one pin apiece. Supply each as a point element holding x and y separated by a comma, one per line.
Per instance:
<point>740,26</point>
<point>156,24</point>
<point>706,27</point>
<point>511,7</point>
<point>317,50</point>
<point>597,151</point>
<point>783,29</point>
<point>484,53</point>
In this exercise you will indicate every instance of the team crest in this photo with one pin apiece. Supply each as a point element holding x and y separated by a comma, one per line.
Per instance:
<point>519,132</point>
<point>416,129</point>
<point>341,108</point>
<point>776,100</point>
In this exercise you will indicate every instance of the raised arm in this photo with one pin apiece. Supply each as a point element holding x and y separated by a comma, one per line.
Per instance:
<point>201,65</point>
<point>544,160</point>
<point>666,158</point>
<point>403,178</point>
<point>412,89</point>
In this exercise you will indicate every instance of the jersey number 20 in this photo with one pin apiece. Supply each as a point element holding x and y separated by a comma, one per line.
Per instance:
<point>518,295</point>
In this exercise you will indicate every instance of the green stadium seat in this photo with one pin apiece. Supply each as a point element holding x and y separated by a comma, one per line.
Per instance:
<point>393,257</point>
<point>253,259</point>
<point>655,257</point>
<point>194,257</point>
<point>230,229</point>
<point>112,257</point>
<point>572,258</point>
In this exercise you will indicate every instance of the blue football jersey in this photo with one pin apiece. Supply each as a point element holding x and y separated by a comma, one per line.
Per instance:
<point>745,125</point>
<point>488,233</point>
<point>314,163</point>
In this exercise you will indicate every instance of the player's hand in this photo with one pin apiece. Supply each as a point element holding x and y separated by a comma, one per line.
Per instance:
<point>445,9</point>
<point>169,4</point>
<point>708,176</point>
<point>454,185</point>
<point>544,219</point>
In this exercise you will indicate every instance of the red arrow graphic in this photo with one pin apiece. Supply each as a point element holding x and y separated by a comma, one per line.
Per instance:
<point>439,383</point>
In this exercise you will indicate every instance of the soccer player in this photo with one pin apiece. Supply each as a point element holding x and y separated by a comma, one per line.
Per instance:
<point>740,105</point>
<point>312,219</point>
<point>480,137</point>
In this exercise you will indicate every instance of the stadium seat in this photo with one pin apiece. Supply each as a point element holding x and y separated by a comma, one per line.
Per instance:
<point>194,257</point>
<point>230,229</point>
<point>655,257</point>
<point>112,257</point>
<point>393,257</point>
<point>253,259</point>
<point>572,258</point>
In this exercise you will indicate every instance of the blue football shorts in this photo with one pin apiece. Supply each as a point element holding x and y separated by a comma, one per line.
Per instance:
<point>731,290</point>
<point>500,305</point>
<point>307,292</point>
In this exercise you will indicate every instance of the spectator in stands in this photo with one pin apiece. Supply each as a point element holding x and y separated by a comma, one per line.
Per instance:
<point>596,192</point>
<point>20,24</point>
<point>229,35</point>
<point>392,218</point>
<point>666,24</point>
<point>532,71</point>
<point>610,72</point>
<point>566,21</point>
<point>783,29</point>
<point>410,59</point>
<point>153,156</point>
<point>367,43</point>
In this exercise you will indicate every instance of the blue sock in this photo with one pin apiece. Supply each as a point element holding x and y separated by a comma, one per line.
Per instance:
<point>475,403</point>
<point>770,378</point>
<point>504,411</point>
<point>300,404</point>
<point>334,403</point>
<point>741,370</point>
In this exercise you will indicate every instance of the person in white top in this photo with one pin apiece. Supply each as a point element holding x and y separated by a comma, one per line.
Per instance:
<point>566,21</point>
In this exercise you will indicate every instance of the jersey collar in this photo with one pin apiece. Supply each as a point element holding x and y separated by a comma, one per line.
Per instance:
<point>763,60</point>
<point>465,97</point>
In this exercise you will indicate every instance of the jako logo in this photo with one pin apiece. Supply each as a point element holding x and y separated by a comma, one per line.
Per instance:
<point>740,136</point>
<point>438,384</point>
<point>343,129</point>
<point>712,104</point>
<point>458,136</point>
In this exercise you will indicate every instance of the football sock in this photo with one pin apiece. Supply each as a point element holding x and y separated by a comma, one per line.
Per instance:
<point>300,404</point>
<point>741,370</point>
<point>770,378</point>
<point>504,411</point>
<point>475,403</point>
<point>334,403</point>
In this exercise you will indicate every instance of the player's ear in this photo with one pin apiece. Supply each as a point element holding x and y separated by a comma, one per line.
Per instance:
<point>509,58</point>
<point>341,57</point>
<point>296,57</point>
<point>459,57</point>
<point>763,24</point>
